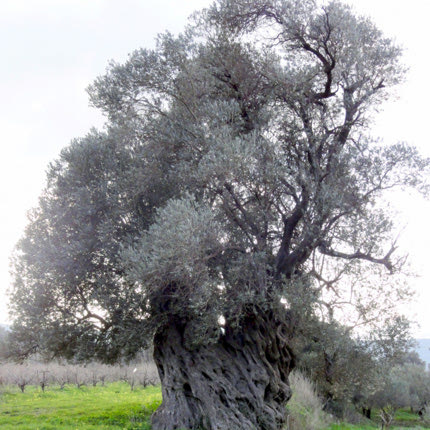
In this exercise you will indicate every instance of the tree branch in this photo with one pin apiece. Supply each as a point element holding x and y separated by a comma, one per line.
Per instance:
<point>386,261</point>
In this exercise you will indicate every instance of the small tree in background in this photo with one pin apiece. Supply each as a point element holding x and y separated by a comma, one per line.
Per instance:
<point>343,368</point>
<point>347,368</point>
<point>393,394</point>
<point>60,375</point>
<point>418,380</point>
<point>42,378</point>
<point>22,376</point>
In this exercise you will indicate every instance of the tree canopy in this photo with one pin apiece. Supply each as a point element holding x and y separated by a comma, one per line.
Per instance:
<point>235,174</point>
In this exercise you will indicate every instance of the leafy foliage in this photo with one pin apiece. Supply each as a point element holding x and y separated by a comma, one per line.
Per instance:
<point>235,171</point>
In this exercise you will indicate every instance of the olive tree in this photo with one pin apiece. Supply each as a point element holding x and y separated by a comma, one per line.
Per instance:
<point>235,156</point>
<point>394,393</point>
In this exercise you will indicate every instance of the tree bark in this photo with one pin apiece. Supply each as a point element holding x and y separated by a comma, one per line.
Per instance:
<point>240,382</point>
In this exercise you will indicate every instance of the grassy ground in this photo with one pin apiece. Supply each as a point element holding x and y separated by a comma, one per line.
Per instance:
<point>375,427</point>
<point>403,420</point>
<point>110,407</point>
<point>114,407</point>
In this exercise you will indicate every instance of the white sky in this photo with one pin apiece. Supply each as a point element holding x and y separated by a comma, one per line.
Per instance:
<point>52,50</point>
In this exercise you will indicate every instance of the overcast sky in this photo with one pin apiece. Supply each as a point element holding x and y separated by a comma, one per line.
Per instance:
<point>53,49</point>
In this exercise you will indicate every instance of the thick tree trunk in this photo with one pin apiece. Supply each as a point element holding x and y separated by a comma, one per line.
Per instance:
<point>239,382</point>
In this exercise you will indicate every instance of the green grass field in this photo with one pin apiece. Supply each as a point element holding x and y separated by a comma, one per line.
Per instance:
<point>113,406</point>
<point>403,420</point>
<point>375,427</point>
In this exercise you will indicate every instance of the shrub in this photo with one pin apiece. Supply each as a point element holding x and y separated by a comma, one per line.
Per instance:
<point>305,408</point>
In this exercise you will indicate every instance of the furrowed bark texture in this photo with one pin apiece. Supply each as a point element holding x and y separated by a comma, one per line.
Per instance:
<point>240,382</point>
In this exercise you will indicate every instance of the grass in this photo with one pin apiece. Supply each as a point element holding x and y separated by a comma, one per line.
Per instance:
<point>345,426</point>
<point>111,407</point>
<point>404,420</point>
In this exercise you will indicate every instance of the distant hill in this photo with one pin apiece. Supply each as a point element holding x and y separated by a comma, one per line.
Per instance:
<point>423,349</point>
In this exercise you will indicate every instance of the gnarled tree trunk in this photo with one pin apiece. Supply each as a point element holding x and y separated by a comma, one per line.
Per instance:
<point>240,382</point>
